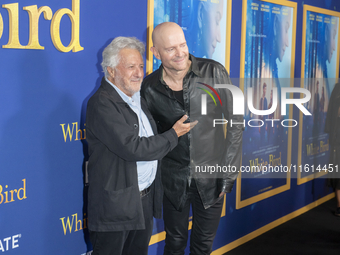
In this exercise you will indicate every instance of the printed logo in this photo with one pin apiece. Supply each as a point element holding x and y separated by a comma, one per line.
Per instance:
<point>73,134</point>
<point>239,104</point>
<point>73,224</point>
<point>9,243</point>
<point>35,15</point>
<point>213,90</point>
<point>238,99</point>
<point>8,195</point>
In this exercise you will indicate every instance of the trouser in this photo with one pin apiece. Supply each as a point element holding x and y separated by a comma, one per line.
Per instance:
<point>128,242</point>
<point>204,225</point>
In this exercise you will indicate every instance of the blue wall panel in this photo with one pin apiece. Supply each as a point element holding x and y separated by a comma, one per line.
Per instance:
<point>44,92</point>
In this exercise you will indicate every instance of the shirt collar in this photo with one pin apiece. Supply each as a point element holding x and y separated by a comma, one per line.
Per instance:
<point>194,66</point>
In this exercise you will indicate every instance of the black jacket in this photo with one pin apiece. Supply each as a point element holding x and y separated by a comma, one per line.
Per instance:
<point>205,145</point>
<point>114,202</point>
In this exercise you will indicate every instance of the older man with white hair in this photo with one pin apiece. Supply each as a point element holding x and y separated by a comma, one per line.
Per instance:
<point>125,190</point>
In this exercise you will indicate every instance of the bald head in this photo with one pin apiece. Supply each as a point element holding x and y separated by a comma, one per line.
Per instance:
<point>170,46</point>
<point>165,31</point>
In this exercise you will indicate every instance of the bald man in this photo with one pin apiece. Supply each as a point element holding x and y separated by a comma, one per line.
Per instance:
<point>171,91</point>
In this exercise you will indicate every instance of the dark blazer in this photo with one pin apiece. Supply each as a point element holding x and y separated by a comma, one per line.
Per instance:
<point>114,202</point>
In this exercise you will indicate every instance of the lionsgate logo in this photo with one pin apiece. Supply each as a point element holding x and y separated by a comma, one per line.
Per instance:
<point>9,243</point>
<point>239,105</point>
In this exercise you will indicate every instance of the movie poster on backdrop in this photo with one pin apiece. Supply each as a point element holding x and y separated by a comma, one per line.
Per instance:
<point>267,64</point>
<point>206,26</point>
<point>319,70</point>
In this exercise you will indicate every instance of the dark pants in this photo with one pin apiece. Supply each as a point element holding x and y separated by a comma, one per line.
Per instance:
<point>129,242</point>
<point>204,225</point>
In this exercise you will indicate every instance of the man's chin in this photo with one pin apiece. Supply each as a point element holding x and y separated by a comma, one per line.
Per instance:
<point>135,88</point>
<point>181,65</point>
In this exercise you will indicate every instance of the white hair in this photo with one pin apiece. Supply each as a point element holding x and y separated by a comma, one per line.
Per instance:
<point>111,56</point>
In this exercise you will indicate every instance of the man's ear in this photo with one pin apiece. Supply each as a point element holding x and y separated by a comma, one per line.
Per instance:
<point>111,71</point>
<point>155,52</point>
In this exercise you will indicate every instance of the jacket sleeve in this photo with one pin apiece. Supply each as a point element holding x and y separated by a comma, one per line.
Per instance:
<point>234,137</point>
<point>108,123</point>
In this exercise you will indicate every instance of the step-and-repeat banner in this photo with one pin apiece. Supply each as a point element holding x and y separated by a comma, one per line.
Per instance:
<point>50,55</point>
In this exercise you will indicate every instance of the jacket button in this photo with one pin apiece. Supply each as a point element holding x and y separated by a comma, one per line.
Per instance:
<point>135,125</point>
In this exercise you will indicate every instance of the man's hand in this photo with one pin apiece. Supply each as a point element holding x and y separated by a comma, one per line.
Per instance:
<point>183,128</point>
<point>221,194</point>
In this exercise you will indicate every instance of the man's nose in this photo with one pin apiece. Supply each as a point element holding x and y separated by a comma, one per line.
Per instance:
<point>139,72</point>
<point>178,52</point>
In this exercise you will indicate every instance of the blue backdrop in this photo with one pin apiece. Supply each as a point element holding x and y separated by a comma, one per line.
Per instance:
<point>43,96</point>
